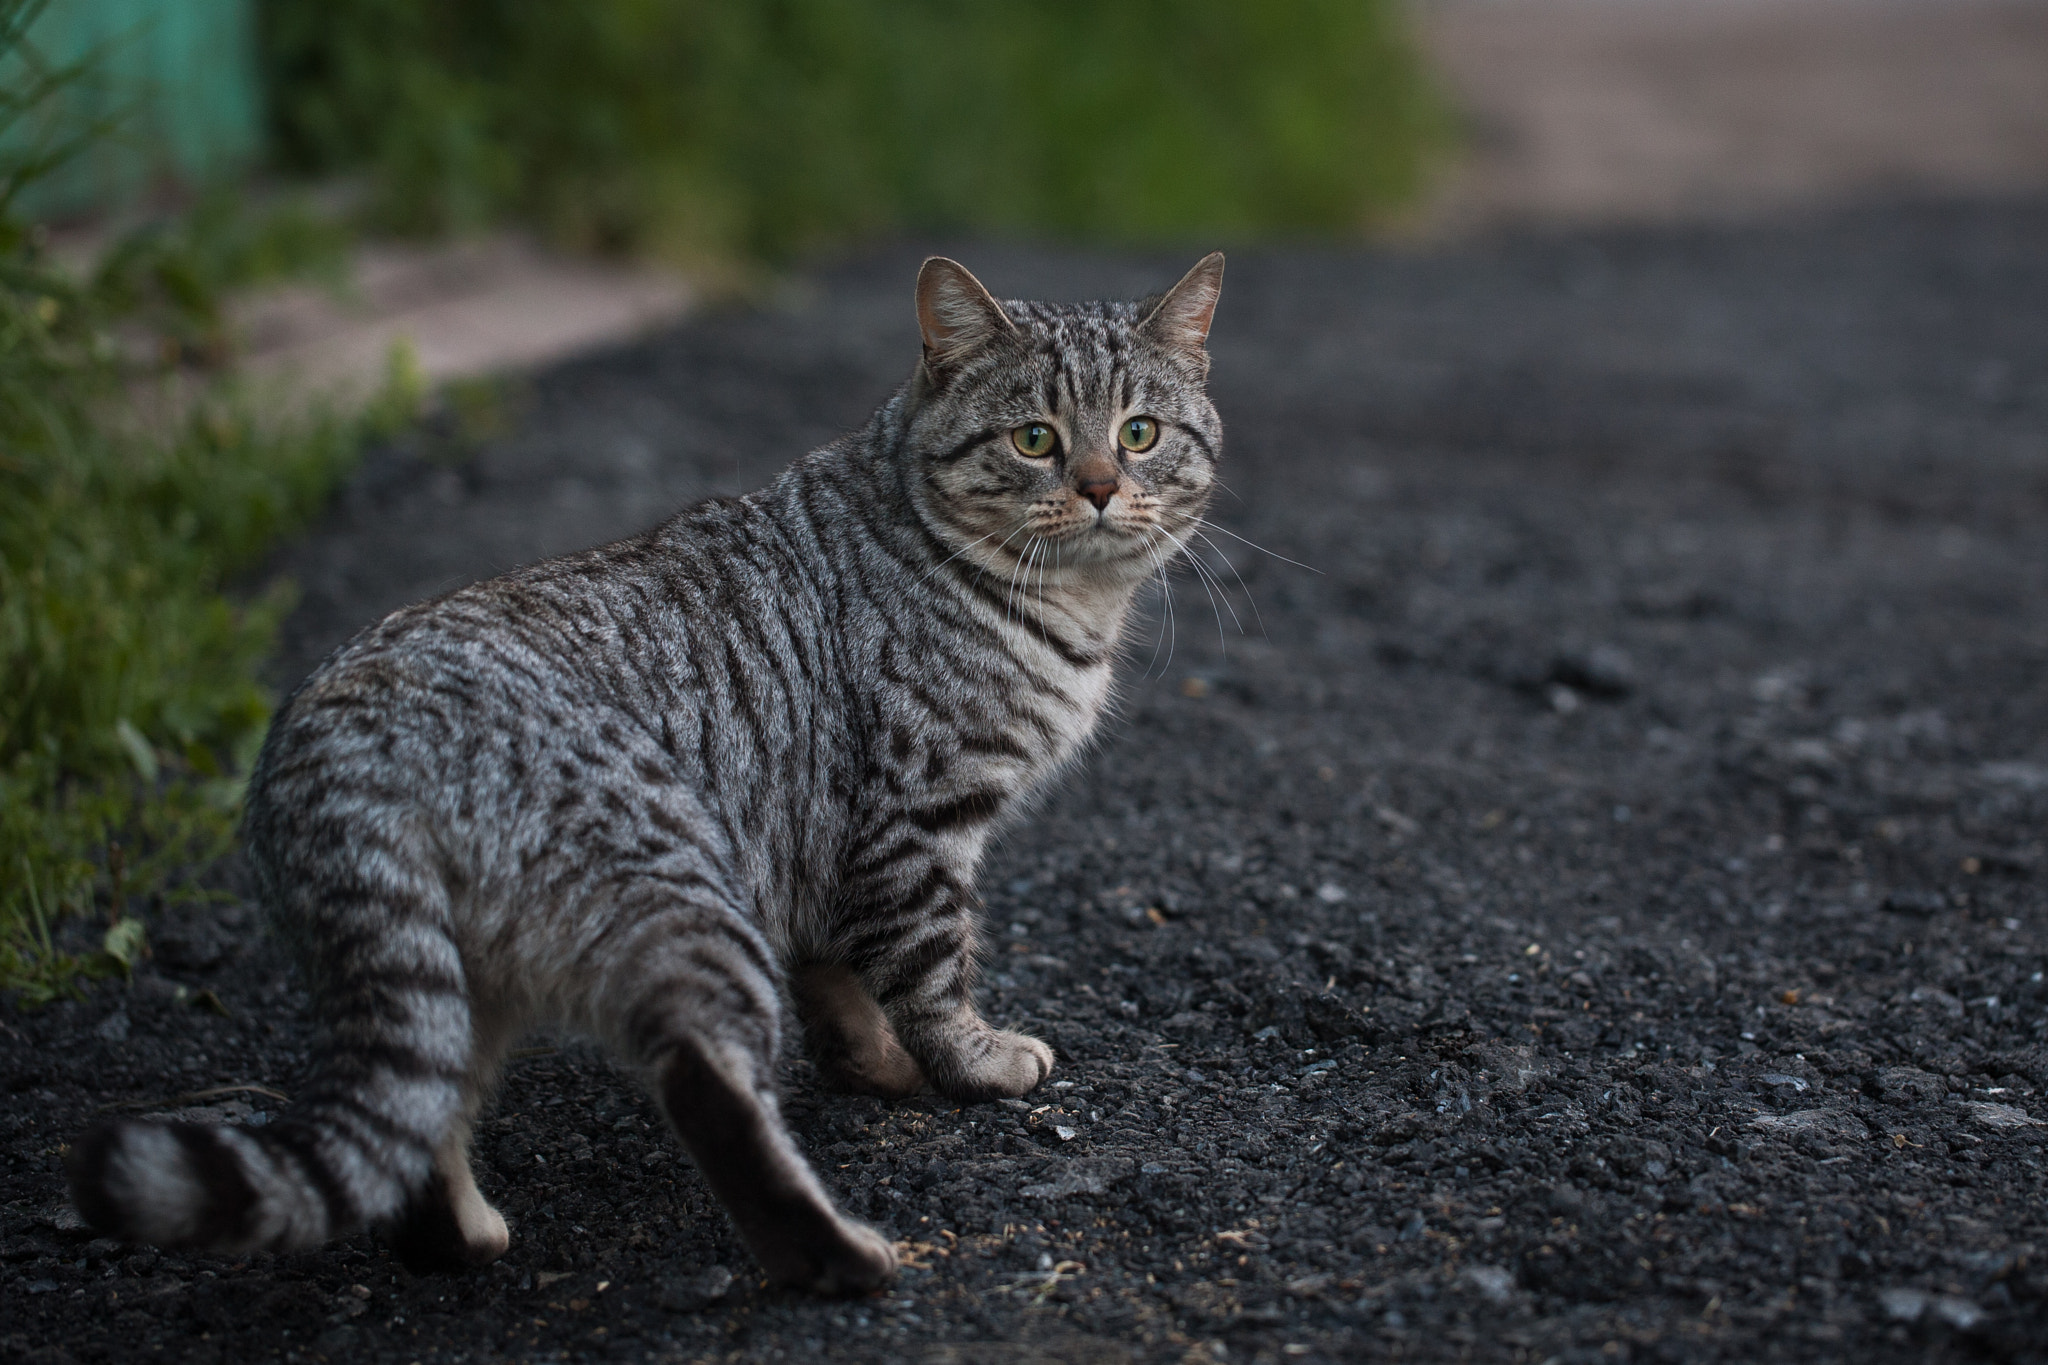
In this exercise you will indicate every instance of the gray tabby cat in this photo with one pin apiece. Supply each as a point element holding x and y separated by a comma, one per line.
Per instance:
<point>641,790</point>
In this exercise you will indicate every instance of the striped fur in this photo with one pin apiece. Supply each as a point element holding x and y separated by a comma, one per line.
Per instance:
<point>644,790</point>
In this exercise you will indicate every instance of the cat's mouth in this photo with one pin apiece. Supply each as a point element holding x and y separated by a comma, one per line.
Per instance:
<point>1088,535</point>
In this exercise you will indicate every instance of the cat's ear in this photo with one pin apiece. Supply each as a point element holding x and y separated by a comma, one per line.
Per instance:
<point>955,314</point>
<point>1181,317</point>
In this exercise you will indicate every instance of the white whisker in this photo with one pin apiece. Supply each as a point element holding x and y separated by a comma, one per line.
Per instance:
<point>1203,573</point>
<point>1010,597</point>
<point>1243,586</point>
<point>1260,548</point>
<point>968,546</point>
<point>1042,610</point>
<point>1168,631</point>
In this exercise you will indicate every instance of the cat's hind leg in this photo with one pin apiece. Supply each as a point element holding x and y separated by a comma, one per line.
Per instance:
<point>701,1010</point>
<point>447,1224</point>
<point>849,1037</point>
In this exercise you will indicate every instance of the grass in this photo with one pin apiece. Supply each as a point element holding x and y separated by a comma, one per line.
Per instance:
<point>763,128</point>
<point>132,499</point>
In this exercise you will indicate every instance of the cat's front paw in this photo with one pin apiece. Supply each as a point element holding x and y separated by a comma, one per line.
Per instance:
<point>849,1258</point>
<point>1005,1065</point>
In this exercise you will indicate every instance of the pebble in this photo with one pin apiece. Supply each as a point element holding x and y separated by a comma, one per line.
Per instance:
<point>1993,1115</point>
<point>693,1293</point>
<point>1910,1305</point>
<point>1494,1283</point>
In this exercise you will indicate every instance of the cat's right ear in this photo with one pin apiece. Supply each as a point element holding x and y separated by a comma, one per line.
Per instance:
<point>956,316</point>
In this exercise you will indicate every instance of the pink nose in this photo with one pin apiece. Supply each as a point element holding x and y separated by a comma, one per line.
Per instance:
<point>1099,492</point>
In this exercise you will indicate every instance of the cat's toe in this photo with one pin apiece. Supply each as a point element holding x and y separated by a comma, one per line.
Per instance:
<point>856,1260</point>
<point>866,1262</point>
<point>1014,1064</point>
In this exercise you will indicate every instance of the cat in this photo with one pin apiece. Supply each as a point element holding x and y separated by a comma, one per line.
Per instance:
<point>646,790</point>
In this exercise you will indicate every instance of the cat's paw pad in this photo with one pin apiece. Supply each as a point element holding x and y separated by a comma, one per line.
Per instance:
<point>1011,1064</point>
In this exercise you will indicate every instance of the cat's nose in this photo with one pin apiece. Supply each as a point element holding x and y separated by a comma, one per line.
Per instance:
<point>1098,491</point>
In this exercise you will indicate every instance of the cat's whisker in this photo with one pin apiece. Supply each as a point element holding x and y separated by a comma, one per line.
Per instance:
<point>1204,521</point>
<point>1207,576</point>
<point>1054,546</point>
<point>1243,586</point>
<point>1167,632</point>
<point>1020,567</point>
<point>1021,526</point>
<point>1024,602</point>
<point>984,569</point>
<point>927,577</point>
<point>1218,481</point>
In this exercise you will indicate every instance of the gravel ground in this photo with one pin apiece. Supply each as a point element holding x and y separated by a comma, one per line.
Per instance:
<point>1594,913</point>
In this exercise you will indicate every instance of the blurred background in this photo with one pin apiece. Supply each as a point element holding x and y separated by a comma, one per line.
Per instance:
<point>241,238</point>
<point>703,133</point>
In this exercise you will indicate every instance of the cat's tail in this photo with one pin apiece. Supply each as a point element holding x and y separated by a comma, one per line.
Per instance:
<point>357,1145</point>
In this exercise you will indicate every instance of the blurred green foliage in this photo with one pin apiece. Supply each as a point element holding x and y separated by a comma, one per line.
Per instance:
<point>133,490</point>
<point>764,127</point>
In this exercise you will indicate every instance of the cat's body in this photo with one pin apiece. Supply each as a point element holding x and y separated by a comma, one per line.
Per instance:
<point>643,790</point>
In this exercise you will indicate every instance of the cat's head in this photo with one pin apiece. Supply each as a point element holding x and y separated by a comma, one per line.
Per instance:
<point>1079,436</point>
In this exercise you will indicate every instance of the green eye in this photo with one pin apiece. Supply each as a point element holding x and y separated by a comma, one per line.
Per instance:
<point>1138,435</point>
<point>1034,439</point>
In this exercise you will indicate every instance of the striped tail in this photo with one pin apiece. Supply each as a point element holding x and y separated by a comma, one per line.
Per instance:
<point>390,1088</point>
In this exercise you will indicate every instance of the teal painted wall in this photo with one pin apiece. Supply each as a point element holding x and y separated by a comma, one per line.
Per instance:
<point>177,76</point>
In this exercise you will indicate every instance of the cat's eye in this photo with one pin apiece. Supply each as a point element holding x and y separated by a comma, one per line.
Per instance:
<point>1138,435</point>
<point>1034,439</point>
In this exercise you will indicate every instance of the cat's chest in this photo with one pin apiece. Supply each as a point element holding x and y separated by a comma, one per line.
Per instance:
<point>1002,738</point>
<point>1073,723</point>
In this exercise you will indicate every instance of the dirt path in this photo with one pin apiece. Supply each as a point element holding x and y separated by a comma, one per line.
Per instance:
<point>1601,917</point>
<point>1601,111</point>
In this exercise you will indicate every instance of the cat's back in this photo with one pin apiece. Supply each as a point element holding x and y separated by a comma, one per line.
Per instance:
<point>649,657</point>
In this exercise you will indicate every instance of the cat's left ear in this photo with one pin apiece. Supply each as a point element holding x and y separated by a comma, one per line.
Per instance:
<point>956,316</point>
<point>1181,318</point>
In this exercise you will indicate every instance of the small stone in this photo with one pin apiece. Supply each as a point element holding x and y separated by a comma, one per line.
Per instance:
<point>114,1028</point>
<point>2031,777</point>
<point>1828,1123</point>
<point>1603,671</point>
<point>1798,1083</point>
<point>1495,1283</point>
<point>1960,1314</point>
<point>693,1293</point>
<point>1329,893</point>
<point>1903,1305</point>
<point>1907,900</point>
<point>41,1286</point>
<point>336,1341</point>
<point>1940,999</point>
<point>1905,1085</point>
<point>1993,1115</point>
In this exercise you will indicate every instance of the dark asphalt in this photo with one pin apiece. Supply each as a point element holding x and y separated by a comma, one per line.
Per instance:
<point>1597,911</point>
